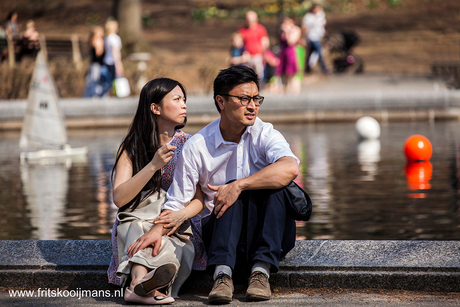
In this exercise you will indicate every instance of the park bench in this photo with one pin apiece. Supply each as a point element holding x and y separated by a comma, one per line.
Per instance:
<point>53,47</point>
<point>69,47</point>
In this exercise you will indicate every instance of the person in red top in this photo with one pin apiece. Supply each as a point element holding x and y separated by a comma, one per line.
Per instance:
<point>255,41</point>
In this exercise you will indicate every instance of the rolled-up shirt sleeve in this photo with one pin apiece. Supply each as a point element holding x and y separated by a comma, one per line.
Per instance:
<point>276,146</point>
<point>183,187</point>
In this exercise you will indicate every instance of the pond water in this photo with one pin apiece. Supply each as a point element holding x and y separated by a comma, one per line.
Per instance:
<point>360,190</point>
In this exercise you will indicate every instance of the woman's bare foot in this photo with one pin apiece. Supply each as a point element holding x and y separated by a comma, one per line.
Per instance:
<point>156,293</point>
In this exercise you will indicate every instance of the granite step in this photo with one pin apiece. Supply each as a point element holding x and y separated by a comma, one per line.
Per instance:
<point>403,265</point>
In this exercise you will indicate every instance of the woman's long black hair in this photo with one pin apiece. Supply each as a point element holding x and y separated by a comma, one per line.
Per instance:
<point>142,141</point>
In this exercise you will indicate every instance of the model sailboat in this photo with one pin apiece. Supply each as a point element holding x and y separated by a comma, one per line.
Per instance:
<point>43,136</point>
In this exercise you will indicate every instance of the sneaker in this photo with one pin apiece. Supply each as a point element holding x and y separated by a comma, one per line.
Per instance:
<point>222,290</point>
<point>259,287</point>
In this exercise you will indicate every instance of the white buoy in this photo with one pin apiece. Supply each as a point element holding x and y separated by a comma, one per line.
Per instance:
<point>368,128</point>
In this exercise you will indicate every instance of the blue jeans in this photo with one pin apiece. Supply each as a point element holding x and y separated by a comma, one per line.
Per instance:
<point>315,46</point>
<point>93,81</point>
<point>107,76</point>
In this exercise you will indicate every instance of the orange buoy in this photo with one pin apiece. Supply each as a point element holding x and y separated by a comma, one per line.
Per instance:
<point>418,148</point>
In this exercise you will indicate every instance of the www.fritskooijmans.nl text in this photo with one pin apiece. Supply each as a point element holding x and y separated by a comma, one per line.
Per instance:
<point>74,293</point>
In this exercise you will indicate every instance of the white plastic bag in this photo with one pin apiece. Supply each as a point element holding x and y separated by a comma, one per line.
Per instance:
<point>121,87</point>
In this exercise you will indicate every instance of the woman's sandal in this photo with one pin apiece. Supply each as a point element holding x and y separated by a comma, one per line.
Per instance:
<point>158,278</point>
<point>132,297</point>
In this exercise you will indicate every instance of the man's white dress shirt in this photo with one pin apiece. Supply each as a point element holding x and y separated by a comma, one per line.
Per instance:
<point>208,159</point>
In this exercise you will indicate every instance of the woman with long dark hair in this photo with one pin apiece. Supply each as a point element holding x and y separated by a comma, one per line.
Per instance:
<point>143,171</point>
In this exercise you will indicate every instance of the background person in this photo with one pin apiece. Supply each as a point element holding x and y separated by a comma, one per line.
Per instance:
<point>255,41</point>
<point>313,24</point>
<point>238,53</point>
<point>30,39</point>
<point>12,33</point>
<point>113,66</point>
<point>11,26</point>
<point>97,52</point>
<point>288,66</point>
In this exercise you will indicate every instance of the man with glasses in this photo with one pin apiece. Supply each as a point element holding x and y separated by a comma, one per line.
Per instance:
<point>242,166</point>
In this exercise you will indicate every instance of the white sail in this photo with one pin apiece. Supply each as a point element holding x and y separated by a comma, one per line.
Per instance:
<point>43,126</point>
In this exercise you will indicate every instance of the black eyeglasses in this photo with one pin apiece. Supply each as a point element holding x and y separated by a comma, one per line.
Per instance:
<point>245,100</point>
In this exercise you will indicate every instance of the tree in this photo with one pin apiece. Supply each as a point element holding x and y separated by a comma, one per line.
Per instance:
<point>128,15</point>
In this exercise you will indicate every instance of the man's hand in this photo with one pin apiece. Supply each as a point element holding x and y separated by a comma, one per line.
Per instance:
<point>171,219</point>
<point>226,195</point>
<point>152,237</point>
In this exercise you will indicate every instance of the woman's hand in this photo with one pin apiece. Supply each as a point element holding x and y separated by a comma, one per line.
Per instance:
<point>152,237</point>
<point>171,220</point>
<point>163,155</point>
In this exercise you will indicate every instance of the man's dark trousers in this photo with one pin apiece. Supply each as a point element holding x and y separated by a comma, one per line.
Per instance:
<point>255,227</point>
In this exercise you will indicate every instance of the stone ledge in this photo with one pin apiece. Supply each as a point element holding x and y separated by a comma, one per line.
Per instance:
<point>411,281</point>
<point>48,254</point>
<point>413,105</point>
<point>280,117</point>
<point>404,265</point>
<point>378,255</point>
<point>203,105</point>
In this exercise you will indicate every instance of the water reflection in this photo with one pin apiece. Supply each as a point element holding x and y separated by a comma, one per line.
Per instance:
<point>45,188</point>
<point>455,180</point>
<point>359,190</point>
<point>298,148</point>
<point>318,180</point>
<point>418,176</point>
<point>101,167</point>
<point>90,201</point>
<point>368,157</point>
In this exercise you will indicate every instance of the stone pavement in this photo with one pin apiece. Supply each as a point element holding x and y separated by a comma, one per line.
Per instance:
<point>310,298</point>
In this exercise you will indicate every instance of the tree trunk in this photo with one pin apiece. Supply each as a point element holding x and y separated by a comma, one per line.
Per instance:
<point>128,14</point>
<point>115,9</point>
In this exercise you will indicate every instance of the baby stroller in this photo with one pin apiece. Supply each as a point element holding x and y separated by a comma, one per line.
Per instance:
<point>340,46</point>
